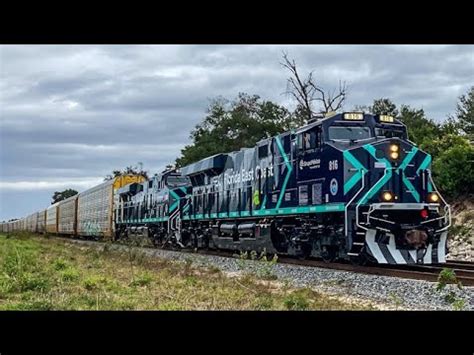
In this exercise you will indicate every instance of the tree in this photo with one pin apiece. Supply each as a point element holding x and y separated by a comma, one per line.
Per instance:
<point>230,126</point>
<point>453,156</point>
<point>384,106</point>
<point>465,113</point>
<point>306,91</point>
<point>129,170</point>
<point>453,169</point>
<point>421,130</point>
<point>62,195</point>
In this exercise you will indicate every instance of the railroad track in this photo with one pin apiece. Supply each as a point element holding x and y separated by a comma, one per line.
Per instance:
<point>464,270</point>
<point>419,272</point>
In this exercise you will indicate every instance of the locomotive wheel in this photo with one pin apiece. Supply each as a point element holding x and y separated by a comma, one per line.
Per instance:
<point>362,259</point>
<point>305,252</point>
<point>329,254</point>
<point>155,241</point>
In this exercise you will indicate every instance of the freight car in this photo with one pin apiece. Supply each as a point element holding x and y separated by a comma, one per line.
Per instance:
<point>32,222</point>
<point>41,227</point>
<point>95,207</point>
<point>88,214</point>
<point>67,216</point>
<point>351,186</point>
<point>52,219</point>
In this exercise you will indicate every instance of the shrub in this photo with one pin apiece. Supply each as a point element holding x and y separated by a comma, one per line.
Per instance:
<point>60,264</point>
<point>94,282</point>
<point>296,301</point>
<point>142,279</point>
<point>33,282</point>
<point>453,170</point>
<point>69,275</point>
<point>447,276</point>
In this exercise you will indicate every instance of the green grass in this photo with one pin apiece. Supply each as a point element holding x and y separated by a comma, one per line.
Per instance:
<point>38,273</point>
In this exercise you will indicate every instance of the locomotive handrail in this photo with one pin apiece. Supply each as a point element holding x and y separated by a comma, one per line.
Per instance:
<point>353,198</point>
<point>447,207</point>
<point>366,194</point>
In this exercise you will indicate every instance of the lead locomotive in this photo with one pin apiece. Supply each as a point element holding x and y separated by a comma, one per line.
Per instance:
<point>349,186</point>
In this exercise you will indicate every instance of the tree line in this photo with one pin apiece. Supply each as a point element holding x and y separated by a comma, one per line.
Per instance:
<point>230,125</point>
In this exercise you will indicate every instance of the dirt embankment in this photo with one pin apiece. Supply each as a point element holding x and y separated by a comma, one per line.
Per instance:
<point>461,234</point>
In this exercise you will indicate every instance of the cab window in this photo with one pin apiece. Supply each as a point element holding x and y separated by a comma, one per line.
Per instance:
<point>389,133</point>
<point>263,151</point>
<point>308,140</point>
<point>349,133</point>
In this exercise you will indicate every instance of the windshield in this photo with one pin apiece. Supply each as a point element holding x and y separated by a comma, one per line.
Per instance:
<point>389,133</point>
<point>349,133</point>
<point>177,180</point>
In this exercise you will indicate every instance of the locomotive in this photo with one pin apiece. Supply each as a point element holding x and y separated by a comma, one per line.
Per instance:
<point>350,186</point>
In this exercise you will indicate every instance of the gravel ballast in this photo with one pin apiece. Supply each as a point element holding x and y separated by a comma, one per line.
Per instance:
<point>383,292</point>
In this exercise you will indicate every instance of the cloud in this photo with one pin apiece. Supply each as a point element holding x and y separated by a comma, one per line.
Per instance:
<point>82,183</point>
<point>69,115</point>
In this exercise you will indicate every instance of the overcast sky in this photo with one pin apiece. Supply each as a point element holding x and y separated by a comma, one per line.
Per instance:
<point>71,114</point>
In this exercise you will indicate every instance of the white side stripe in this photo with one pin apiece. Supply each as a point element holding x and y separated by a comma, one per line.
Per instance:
<point>413,255</point>
<point>374,248</point>
<point>442,248</point>
<point>394,251</point>
<point>427,259</point>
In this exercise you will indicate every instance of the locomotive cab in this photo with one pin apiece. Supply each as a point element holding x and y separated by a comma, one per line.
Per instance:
<point>394,213</point>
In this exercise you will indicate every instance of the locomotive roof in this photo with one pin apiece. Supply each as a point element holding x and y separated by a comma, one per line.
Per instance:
<point>217,161</point>
<point>368,118</point>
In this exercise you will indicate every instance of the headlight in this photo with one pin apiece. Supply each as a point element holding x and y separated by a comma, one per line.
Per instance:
<point>394,151</point>
<point>387,196</point>
<point>354,116</point>
<point>394,155</point>
<point>433,197</point>
<point>386,118</point>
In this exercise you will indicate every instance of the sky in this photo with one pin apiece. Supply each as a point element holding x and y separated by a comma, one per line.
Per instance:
<point>71,114</point>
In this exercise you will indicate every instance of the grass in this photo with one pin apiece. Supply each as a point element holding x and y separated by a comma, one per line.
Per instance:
<point>38,273</point>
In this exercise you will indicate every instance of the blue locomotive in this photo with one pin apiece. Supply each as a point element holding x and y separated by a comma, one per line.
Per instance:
<point>350,186</point>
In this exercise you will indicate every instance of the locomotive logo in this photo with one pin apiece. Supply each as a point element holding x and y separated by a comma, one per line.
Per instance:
<point>333,187</point>
<point>312,164</point>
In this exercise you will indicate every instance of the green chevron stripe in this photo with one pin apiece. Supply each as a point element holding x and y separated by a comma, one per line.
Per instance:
<point>376,188</point>
<point>175,204</point>
<point>331,207</point>
<point>358,175</point>
<point>402,168</point>
<point>407,159</point>
<point>288,165</point>
<point>424,164</point>
<point>411,188</point>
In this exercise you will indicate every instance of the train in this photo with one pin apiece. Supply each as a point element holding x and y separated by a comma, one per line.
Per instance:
<point>350,186</point>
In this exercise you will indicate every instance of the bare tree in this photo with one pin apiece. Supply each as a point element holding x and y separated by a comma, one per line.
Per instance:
<point>306,91</point>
